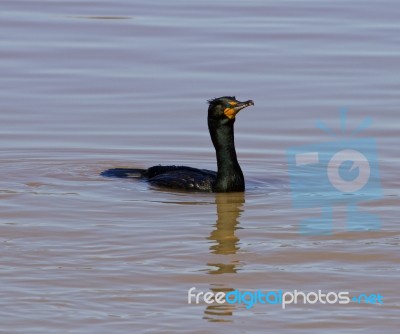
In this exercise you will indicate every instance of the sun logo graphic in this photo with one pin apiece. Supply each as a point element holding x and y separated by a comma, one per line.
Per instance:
<point>342,171</point>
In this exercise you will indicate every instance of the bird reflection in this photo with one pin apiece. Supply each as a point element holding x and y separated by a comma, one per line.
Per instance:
<point>229,208</point>
<point>225,243</point>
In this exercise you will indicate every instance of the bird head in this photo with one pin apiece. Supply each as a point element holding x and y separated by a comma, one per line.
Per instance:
<point>226,107</point>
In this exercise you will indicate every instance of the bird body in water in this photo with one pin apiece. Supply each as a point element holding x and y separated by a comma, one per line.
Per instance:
<point>229,177</point>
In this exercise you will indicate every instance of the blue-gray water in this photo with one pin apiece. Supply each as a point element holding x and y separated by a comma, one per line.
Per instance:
<point>91,85</point>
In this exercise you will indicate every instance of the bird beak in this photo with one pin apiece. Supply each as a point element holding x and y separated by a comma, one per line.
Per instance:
<point>231,112</point>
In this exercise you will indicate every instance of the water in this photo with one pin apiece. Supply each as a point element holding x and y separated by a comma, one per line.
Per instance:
<point>91,85</point>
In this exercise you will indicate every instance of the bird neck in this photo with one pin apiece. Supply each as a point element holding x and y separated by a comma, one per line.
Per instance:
<point>229,175</point>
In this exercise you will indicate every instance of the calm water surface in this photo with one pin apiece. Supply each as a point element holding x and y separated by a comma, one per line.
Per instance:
<point>91,85</point>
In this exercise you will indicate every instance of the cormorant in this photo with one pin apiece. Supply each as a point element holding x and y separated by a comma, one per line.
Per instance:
<point>228,178</point>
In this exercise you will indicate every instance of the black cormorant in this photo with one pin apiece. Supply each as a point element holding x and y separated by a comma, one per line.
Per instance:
<point>228,178</point>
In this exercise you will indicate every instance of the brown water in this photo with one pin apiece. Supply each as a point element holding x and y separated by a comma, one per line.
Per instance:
<point>91,85</point>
